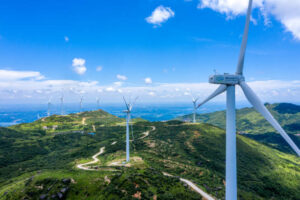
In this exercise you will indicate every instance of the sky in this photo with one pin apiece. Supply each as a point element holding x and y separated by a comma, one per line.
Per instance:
<point>159,50</point>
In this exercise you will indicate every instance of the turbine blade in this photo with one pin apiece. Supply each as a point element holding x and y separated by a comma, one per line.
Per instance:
<point>126,103</point>
<point>193,98</point>
<point>240,65</point>
<point>259,107</point>
<point>218,91</point>
<point>131,105</point>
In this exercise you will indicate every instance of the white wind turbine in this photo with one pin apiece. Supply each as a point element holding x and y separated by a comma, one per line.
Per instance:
<point>195,108</point>
<point>227,83</point>
<point>49,105</point>
<point>128,115</point>
<point>98,103</point>
<point>80,103</point>
<point>62,104</point>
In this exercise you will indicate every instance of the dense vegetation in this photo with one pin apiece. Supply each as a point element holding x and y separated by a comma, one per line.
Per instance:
<point>37,163</point>
<point>251,124</point>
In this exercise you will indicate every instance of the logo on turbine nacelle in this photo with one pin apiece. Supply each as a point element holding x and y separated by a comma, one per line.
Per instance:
<point>227,79</point>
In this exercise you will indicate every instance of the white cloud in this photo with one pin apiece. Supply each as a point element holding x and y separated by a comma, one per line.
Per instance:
<point>79,65</point>
<point>121,77</point>
<point>78,61</point>
<point>231,8</point>
<point>118,83</point>
<point>14,88</point>
<point>110,89</point>
<point>27,96</point>
<point>159,15</point>
<point>66,38</point>
<point>11,75</point>
<point>151,93</point>
<point>39,91</point>
<point>99,68</point>
<point>287,12</point>
<point>120,91</point>
<point>148,80</point>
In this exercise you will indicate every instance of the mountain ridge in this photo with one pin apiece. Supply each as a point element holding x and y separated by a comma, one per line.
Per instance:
<point>251,124</point>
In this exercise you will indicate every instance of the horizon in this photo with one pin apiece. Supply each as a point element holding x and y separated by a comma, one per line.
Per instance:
<point>25,113</point>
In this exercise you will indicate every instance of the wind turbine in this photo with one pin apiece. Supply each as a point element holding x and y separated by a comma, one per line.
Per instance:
<point>195,108</point>
<point>98,102</point>
<point>128,112</point>
<point>62,104</point>
<point>227,83</point>
<point>80,104</point>
<point>49,105</point>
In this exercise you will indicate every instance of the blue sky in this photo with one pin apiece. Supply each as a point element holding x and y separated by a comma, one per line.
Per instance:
<point>176,50</point>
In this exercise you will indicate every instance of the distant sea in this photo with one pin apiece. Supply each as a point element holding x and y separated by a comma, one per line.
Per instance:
<point>15,114</point>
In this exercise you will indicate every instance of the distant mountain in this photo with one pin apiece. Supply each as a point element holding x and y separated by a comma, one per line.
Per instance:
<point>252,124</point>
<point>83,121</point>
<point>250,121</point>
<point>38,165</point>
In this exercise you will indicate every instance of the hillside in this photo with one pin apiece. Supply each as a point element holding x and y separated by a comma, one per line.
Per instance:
<point>250,123</point>
<point>34,162</point>
<point>84,121</point>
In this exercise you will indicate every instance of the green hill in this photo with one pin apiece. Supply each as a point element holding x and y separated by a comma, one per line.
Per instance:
<point>38,165</point>
<point>84,121</point>
<point>250,123</point>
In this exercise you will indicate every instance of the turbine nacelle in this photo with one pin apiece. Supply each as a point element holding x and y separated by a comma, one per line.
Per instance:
<point>226,79</point>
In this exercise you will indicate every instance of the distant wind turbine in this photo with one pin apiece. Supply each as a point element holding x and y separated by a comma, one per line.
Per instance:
<point>195,108</point>
<point>49,105</point>
<point>128,115</point>
<point>227,83</point>
<point>62,105</point>
<point>98,103</point>
<point>80,104</point>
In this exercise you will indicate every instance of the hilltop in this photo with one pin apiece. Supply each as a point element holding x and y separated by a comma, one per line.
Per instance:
<point>38,164</point>
<point>83,121</point>
<point>252,124</point>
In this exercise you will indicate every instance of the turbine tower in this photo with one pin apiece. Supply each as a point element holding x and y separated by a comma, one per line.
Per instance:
<point>80,103</point>
<point>49,105</point>
<point>98,102</point>
<point>128,112</point>
<point>227,83</point>
<point>62,104</point>
<point>195,108</point>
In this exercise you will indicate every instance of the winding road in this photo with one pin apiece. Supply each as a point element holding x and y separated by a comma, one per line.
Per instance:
<point>145,134</point>
<point>95,160</point>
<point>194,187</point>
